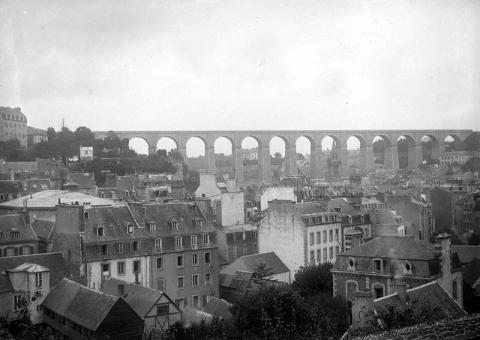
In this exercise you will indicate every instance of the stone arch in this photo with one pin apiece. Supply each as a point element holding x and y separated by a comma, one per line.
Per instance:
<point>166,143</point>
<point>224,156</point>
<point>306,163</point>
<point>280,160</point>
<point>334,157</point>
<point>452,142</point>
<point>196,153</point>
<point>356,148</point>
<point>139,144</point>
<point>408,157</point>
<point>382,151</point>
<point>430,149</point>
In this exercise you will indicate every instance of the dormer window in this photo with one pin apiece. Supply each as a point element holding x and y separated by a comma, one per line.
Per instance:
<point>152,227</point>
<point>130,228</point>
<point>407,268</point>
<point>377,265</point>
<point>174,225</point>
<point>14,234</point>
<point>198,223</point>
<point>100,231</point>
<point>351,263</point>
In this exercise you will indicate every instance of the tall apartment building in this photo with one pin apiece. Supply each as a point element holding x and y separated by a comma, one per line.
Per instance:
<point>300,233</point>
<point>169,247</point>
<point>13,125</point>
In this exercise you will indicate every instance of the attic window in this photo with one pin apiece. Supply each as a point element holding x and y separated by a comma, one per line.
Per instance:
<point>130,228</point>
<point>351,263</point>
<point>198,223</point>
<point>174,225</point>
<point>100,231</point>
<point>152,227</point>
<point>407,267</point>
<point>14,234</point>
<point>377,265</point>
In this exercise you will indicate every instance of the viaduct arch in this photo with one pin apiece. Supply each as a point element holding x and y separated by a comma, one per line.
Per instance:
<point>318,158</point>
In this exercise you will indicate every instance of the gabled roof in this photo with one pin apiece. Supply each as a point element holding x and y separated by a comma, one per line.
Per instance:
<point>238,281</point>
<point>397,247</point>
<point>430,297</point>
<point>15,223</point>
<point>344,207</point>
<point>84,180</point>
<point>141,299</point>
<point>53,261</point>
<point>30,268</point>
<point>466,253</point>
<point>306,208</point>
<point>250,263</point>
<point>82,305</point>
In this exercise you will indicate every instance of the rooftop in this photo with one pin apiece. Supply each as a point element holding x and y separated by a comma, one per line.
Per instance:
<point>251,263</point>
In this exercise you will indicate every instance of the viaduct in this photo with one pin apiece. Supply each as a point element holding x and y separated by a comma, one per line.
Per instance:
<point>340,137</point>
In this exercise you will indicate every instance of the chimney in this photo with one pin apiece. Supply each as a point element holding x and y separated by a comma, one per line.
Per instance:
<point>120,290</point>
<point>442,248</point>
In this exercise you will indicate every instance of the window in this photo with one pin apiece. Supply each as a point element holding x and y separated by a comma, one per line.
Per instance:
<point>196,300</point>
<point>180,261</point>
<point>119,248</point>
<point>351,288</point>
<point>324,236</point>
<point>17,302</point>
<point>174,225</point>
<point>179,281</point>
<point>330,253</point>
<point>330,234</point>
<point>121,268</point>
<point>38,280</point>
<point>195,259</point>
<point>378,291</point>
<point>152,227</point>
<point>234,252</point>
<point>159,262</point>
<point>104,249</point>
<point>136,266</point>
<point>454,289</point>
<point>130,228</point>
<point>106,268</point>
<point>178,242</point>
<point>195,280</point>
<point>194,241</point>
<point>319,237</point>
<point>14,234</point>
<point>163,309</point>
<point>207,258</point>
<point>245,249</point>
<point>337,250</point>
<point>377,265</point>
<point>351,263</point>
<point>160,284</point>
<point>336,234</point>
<point>158,244</point>
<point>136,246</point>
<point>85,214</point>
<point>100,231</point>
<point>312,239</point>
<point>325,255</point>
<point>312,257</point>
<point>208,278</point>
<point>206,239</point>
<point>198,223</point>
<point>319,255</point>
<point>407,267</point>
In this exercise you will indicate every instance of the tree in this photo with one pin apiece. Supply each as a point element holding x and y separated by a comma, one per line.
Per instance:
<point>300,157</point>
<point>313,279</point>
<point>474,239</point>
<point>262,271</point>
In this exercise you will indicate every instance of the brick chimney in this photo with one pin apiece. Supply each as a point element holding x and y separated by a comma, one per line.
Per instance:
<point>443,249</point>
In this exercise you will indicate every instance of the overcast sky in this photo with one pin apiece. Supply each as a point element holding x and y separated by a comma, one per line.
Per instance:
<point>146,65</point>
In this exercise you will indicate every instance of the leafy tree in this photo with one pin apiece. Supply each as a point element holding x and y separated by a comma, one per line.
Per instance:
<point>314,279</point>
<point>474,239</point>
<point>300,157</point>
<point>262,271</point>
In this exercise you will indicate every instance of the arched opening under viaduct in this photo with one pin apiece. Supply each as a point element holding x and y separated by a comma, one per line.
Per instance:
<point>223,150</point>
<point>304,151</point>
<point>332,157</point>
<point>250,158</point>
<point>356,155</point>
<point>430,150</point>
<point>407,158</point>
<point>453,143</point>
<point>195,150</point>
<point>139,145</point>
<point>381,151</point>
<point>165,145</point>
<point>277,147</point>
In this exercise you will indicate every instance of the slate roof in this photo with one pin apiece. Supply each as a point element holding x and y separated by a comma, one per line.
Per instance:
<point>471,273</point>
<point>397,247</point>
<point>306,208</point>
<point>49,199</point>
<point>382,216</point>
<point>428,297</point>
<point>15,223</point>
<point>85,180</point>
<point>249,263</point>
<point>80,304</point>
<point>218,307</point>
<point>466,253</point>
<point>344,206</point>
<point>140,299</point>
<point>43,228</point>
<point>53,261</point>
